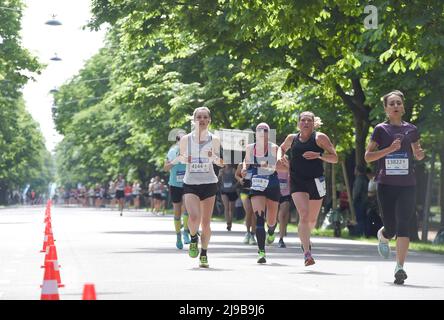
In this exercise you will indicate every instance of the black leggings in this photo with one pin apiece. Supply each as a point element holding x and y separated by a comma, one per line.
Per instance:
<point>397,206</point>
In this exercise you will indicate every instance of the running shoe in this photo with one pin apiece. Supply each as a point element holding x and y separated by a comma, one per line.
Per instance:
<point>229,227</point>
<point>179,244</point>
<point>270,239</point>
<point>186,237</point>
<point>193,251</point>
<point>252,240</point>
<point>261,258</point>
<point>204,262</point>
<point>400,275</point>
<point>281,243</point>
<point>383,245</point>
<point>308,259</point>
<point>247,238</point>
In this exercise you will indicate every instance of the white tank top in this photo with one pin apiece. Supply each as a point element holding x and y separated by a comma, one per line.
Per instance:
<point>200,170</point>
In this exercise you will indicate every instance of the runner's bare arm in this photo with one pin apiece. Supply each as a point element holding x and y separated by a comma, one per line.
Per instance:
<point>372,154</point>
<point>237,174</point>
<point>323,141</point>
<point>215,150</point>
<point>183,145</point>
<point>282,160</point>
<point>246,161</point>
<point>167,166</point>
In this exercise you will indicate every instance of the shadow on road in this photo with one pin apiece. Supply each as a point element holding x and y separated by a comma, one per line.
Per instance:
<point>209,269</point>
<point>319,273</point>
<point>410,286</point>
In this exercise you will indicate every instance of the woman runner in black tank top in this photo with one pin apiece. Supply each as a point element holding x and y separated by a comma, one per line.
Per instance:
<point>300,167</point>
<point>307,183</point>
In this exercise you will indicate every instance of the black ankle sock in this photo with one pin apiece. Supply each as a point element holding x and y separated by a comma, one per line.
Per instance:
<point>271,229</point>
<point>194,238</point>
<point>203,252</point>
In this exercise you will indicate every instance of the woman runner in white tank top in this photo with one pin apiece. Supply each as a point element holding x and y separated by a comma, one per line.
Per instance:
<point>199,150</point>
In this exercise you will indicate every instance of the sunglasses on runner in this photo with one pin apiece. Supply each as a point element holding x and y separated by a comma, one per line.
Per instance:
<point>261,130</point>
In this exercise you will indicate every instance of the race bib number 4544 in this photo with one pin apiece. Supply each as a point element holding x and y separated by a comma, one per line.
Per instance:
<point>199,165</point>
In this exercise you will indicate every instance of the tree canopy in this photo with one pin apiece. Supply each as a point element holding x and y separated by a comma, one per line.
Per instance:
<point>248,61</point>
<point>23,155</point>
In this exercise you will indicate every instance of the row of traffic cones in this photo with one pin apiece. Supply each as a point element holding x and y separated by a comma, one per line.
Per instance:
<point>51,279</point>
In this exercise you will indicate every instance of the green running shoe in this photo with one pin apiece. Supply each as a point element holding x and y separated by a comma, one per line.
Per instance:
<point>204,262</point>
<point>193,251</point>
<point>270,239</point>
<point>261,258</point>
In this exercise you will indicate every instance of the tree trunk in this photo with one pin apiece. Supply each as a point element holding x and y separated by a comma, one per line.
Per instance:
<point>421,184</point>
<point>361,114</point>
<point>441,196</point>
<point>362,127</point>
<point>349,192</point>
<point>425,223</point>
<point>3,194</point>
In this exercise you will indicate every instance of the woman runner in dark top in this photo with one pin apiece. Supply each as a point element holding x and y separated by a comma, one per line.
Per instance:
<point>260,160</point>
<point>307,182</point>
<point>394,144</point>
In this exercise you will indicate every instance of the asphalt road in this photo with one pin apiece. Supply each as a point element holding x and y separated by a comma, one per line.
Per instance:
<point>134,257</point>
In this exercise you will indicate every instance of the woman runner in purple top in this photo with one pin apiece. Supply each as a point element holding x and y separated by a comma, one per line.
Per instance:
<point>394,144</point>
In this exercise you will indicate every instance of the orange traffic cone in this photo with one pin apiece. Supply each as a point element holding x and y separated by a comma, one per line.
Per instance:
<point>51,256</point>
<point>47,216</point>
<point>48,241</point>
<point>89,292</point>
<point>48,228</point>
<point>50,289</point>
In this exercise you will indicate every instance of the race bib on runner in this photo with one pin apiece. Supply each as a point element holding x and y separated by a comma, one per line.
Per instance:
<point>228,185</point>
<point>199,165</point>
<point>320,185</point>
<point>397,164</point>
<point>283,184</point>
<point>259,183</point>
<point>248,175</point>
<point>179,176</point>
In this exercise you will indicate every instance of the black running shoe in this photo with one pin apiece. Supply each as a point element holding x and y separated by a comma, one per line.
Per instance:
<point>281,244</point>
<point>400,276</point>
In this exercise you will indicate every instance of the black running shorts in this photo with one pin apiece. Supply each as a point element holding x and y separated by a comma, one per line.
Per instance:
<point>306,186</point>
<point>203,191</point>
<point>176,194</point>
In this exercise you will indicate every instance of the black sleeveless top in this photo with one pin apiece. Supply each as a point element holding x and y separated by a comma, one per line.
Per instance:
<point>299,166</point>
